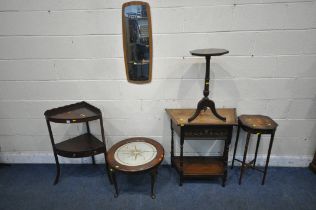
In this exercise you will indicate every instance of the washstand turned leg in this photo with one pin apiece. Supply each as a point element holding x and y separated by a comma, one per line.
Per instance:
<point>153,182</point>
<point>113,177</point>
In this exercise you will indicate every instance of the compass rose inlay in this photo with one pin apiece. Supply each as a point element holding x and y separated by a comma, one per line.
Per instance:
<point>135,153</point>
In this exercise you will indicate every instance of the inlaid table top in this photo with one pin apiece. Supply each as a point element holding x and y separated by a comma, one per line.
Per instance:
<point>180,117</point>
<point>209,52</point>
<point>135,155</point>
<point>257,122</point>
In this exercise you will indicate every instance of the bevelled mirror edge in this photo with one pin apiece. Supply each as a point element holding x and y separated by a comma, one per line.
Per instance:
<point>125,41</point>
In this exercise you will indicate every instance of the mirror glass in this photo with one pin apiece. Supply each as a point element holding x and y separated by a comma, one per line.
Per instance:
<point>137,41</point>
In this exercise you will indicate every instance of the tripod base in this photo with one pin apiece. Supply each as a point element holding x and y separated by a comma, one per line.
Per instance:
<point>203,104</point>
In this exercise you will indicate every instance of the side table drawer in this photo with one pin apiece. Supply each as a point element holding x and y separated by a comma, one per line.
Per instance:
<point>203,132</point>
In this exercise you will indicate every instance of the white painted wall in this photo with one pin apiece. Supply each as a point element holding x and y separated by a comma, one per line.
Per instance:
<point>55,52</point>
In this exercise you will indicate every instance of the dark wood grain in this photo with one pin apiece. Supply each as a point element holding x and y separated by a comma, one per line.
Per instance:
<point>148,167</point>
<point>209,52</point>
<point>180,117</point>
<point>206,103</point>
<point>73,113</point>
<point>257,125</point>
<point>200,166</point>
<point>256,122</point>
<point>132,169</point>
<point>81,146</point>
<point>207,127</point>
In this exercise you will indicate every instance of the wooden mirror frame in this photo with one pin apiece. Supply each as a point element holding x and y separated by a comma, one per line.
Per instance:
<point>125,41</point>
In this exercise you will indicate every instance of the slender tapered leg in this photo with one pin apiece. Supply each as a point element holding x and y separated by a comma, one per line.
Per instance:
<point>268,158</point>
<point>153,181</point>
<point>244,158</point>
<point>256,153</point>
<point>236,145</point>
<point>172,143</point>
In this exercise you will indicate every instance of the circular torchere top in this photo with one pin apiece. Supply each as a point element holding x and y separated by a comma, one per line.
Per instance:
<point>209,52</point>
<point>135,155</point>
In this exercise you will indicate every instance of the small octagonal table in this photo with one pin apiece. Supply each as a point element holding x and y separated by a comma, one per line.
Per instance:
<point>135,155</point>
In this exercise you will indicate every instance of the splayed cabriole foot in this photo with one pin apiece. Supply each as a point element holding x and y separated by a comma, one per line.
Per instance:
<point>203,104</point>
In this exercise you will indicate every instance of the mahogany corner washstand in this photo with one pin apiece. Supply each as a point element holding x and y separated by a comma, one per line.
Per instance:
<point>134,156</point>
<point>205,102</point>
<point>204,127</point>
<point>84,145</point>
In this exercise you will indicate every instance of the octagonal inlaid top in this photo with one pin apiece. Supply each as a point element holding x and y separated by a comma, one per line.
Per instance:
<point>257,122</point>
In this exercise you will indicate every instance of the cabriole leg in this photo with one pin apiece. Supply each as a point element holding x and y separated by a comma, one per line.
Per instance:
<point>153,181</point>
<point>113,177</point>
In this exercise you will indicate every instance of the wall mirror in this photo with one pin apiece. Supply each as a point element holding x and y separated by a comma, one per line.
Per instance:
<point>137,41</point>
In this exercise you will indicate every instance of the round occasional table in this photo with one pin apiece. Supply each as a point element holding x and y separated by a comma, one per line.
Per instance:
<point>135,155</point>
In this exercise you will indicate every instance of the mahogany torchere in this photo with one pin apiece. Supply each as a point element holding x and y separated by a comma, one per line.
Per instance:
<point>205,102</point>
<point>205,127</point>
<point>84,145</point>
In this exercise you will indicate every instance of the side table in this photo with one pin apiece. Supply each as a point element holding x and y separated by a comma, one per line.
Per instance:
<point>135,155</point>
<point>205,126</point>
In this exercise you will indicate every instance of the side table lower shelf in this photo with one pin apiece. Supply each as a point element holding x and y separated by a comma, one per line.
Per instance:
<point>200,167</point>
